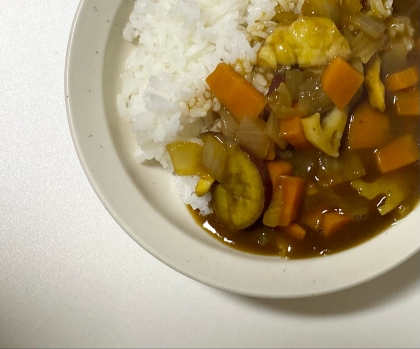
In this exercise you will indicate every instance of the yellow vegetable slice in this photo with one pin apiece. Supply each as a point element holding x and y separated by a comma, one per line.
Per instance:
<point>186,158</point>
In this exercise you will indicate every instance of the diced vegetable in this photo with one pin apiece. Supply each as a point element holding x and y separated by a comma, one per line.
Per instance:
<point>204,185</point>
<point>294,79</point>
<point>291,192</point>
<point>364,46</point>
<point>279,99</point>
<point>407,103</point>
<point>251,134</point>
<point>271,151</point>
<point>398,153</point>
<point>235,93</point>
<point>326,135</point>
<point>292,131</point>
<point>394,59</point>
<point>333,171</point>
<point>272,213</point>
<point>272,128</point>
<point>367,25</point>
<point>186,158</point>
<point>402,79</point>
<point>352,6</point>
<point>312,97</point>
<point>341,81</point>
<point>278,168</point>
<point>295,230</point>
<point>333,222</point>
<point>245,189</point>
<point>375,87</point>
<point>214,157</point>
<point>229,123</point>
<point>393,187</point>
<point>368,128</point>
<point>327,8</point>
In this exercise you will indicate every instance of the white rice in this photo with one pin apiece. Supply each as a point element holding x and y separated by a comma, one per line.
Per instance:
<point>180,42</point>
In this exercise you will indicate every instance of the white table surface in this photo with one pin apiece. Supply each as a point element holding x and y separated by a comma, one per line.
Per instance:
<point>71,277</point>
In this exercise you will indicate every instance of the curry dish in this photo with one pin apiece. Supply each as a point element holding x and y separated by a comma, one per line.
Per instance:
<point>328,157</point>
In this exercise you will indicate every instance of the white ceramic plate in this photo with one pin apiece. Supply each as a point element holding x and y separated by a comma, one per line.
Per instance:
<point>140,197</point>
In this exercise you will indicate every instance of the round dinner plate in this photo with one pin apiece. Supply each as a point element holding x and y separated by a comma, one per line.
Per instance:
<point>141,199</point>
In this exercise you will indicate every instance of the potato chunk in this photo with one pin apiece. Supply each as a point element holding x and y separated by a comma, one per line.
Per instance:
<point>308,42</point>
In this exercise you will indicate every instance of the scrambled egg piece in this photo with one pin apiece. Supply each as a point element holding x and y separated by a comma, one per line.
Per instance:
<point>308,42</point>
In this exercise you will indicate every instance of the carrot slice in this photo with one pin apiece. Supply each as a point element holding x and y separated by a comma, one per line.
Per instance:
<point>402,79</point>
<point>368,128</point>
<point>341,81</point>
<point>407,103</point>
<point>278,168</point>
<point>398,153</point>
<point>295,230</point>
<point>234,92</point>
<point>333,222</point>
<point>285,202</point>
<point>291,130</point>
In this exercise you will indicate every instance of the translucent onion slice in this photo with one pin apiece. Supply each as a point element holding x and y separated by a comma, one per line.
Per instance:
<point>352,6</point>
<point>271,217</point>
<point>363,46</point>
<point>214,157</point>
<point>280,99</point>
<point>367,25</point>
<point>229,123</point>
<point>312,97</point>
<point>326,8</point>
<point>251,135</point>
<point>272,128</point>
<point>294,80</point>
<point>333,171</point>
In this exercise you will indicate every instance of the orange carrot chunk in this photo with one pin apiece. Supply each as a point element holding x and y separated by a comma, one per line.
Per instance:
<point>341,81</point>
<point>293,189</point>
<point>278,168</point>
<point>234,92</point>
<point>333,222</point>
<point>368,127</point>
<point>292,131</point>
<point>295,230</point>
<point>402,79</point>
<point>398,153</point>
<point>407,103</point>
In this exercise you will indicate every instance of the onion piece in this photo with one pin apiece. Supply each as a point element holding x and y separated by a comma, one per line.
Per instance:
<point>352,6</point>
<point>363,46</point>
<point>280,98</point>
<point>251,135</point>
<point>312,97</point>
<point>214,157</point>
<point>293,80</point>
<point>367,25</point>
<point>272,128</point>
<point>229,123</point>
<point>333,171</point>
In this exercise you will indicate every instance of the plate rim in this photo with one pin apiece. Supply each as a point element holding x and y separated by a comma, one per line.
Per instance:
<point>92,178</point>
